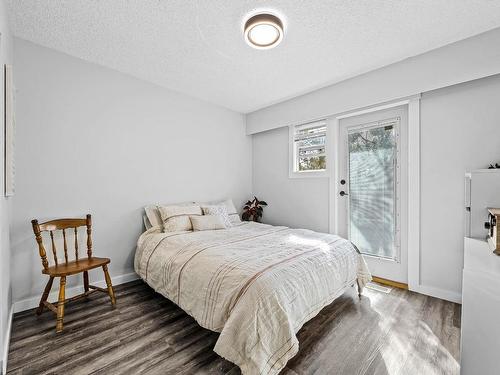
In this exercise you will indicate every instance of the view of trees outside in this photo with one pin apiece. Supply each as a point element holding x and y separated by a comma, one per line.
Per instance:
<point>310,146</point>
<point>372,193</point>
<point>312,163</point>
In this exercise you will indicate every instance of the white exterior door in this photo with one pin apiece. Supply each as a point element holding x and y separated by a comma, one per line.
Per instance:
<point>372,186</point>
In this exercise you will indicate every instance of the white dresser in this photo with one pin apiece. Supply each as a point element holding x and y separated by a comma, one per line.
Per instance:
<point>480,310</point>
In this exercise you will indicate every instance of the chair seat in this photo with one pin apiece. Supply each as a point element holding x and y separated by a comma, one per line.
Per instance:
<point>76,266</point>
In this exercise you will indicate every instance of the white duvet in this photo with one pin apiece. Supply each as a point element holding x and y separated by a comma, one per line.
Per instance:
<point>256,284</point>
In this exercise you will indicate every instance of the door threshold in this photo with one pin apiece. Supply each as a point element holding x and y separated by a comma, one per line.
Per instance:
<point>395,284</point>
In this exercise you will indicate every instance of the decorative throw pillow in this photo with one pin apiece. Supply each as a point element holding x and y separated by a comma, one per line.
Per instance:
<point>234,217</point>
<point>207,222</point>
<point>176,218</point>
<point>220,211</point>
<point>153,213</point>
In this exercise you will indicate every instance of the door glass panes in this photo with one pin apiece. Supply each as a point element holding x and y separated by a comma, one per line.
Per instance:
<point>372,152</point>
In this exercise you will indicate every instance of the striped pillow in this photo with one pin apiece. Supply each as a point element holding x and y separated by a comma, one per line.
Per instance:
<point>176,218</point>
<point>153,214</point>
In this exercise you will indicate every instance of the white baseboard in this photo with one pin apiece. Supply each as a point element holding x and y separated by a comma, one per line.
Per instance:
<point>447,295</point>
<point>6,342</point>
<point>33,302</point>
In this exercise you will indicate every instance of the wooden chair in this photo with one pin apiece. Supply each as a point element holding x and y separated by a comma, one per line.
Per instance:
<point>61,270</point>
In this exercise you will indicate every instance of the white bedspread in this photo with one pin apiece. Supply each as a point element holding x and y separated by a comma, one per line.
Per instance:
<point>256,284</point>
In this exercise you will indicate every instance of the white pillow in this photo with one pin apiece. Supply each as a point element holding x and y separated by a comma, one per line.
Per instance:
<point>147,224</point>
<point>234,217</point>
<point>220,211</point>
<point>207,222</point>
<point>176,218</point>
<point>229,206</point>
<point>153,214</point>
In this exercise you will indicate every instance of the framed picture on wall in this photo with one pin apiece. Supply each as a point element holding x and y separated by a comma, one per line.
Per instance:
<point>9,121</point>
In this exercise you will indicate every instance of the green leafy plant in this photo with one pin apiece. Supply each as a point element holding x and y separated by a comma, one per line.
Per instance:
<point>253,210</point>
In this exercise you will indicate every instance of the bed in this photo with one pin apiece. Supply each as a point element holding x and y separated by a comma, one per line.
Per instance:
<point>256,284</point>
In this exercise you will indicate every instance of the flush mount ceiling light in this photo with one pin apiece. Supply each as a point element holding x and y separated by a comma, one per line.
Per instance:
<point>263,31</point>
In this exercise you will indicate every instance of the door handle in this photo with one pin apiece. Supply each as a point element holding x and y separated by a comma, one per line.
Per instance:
<point>342,193</point>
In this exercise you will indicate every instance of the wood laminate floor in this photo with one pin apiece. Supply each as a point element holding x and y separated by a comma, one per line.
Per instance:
<point>383,333</point>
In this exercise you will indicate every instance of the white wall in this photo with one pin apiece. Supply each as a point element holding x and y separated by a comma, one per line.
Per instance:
<point>90,139</point>
<point>463,61</point>
<point>460,130</point>
<point>6,54</point>
<point>294,202</point>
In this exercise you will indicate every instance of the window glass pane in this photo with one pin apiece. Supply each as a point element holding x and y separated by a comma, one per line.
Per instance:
<point>312,141</point>
<point>310,147</point>
<point>312,163</point>
<point>310,131</point>
<point>372,190</point>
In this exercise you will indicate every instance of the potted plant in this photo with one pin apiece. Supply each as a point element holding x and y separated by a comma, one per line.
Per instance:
<point>253,210</point>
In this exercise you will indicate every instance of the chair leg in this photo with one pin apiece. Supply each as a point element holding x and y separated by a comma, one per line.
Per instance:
<point>45,295</point>
<point>110,286</point>
<point>60,305</point>
<point>86,281</point>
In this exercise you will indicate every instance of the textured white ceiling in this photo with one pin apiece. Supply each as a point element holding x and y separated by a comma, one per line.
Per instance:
<point>197,47</point>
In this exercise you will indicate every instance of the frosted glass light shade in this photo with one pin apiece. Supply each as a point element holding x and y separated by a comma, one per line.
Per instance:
<point>263,31</point>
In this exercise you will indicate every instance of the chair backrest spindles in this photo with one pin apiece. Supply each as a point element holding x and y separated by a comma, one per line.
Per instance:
<point>89,236</point>
<point>61,224</point>
<point>54,250</point>
<point>76,243</point>
<point>65,246</point>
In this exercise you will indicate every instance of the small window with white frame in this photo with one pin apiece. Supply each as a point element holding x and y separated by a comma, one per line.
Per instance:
<point>308,149</point>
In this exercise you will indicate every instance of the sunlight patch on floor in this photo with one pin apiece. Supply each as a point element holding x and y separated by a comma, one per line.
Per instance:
<point>379,288</point>
<point>428,355</point>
